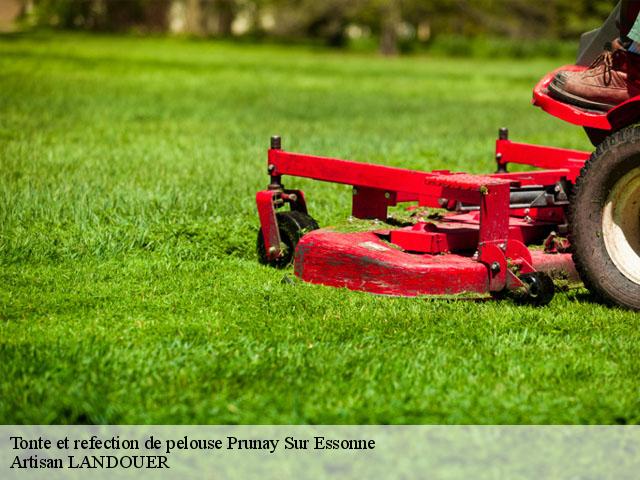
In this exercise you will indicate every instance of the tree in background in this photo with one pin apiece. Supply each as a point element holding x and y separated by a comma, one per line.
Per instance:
<point>392,22</point>
<point>99,15</point>
<point>316,20</point>
<point>203,17</point>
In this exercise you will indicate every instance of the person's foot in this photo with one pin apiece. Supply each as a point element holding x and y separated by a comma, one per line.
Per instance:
<point>612,79</point>
<point>562,75</point>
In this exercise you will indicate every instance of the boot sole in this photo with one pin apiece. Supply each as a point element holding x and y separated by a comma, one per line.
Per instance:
<point>559,94</point>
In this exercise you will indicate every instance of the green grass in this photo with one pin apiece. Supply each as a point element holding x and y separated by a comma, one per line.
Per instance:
<point>129,288</point>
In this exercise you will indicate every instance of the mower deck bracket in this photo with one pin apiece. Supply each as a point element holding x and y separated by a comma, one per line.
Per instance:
<point>268,201</point>
<point>557,161</point>
<point>265,201</point>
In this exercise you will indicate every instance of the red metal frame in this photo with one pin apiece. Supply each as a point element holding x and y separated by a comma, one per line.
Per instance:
<point>480,246</point>
<point>268,201</point>
<point>559,162</point>
<point>485,249</point>
<point>364,261</point>
<point>564,111</point>
<point>622,115</point>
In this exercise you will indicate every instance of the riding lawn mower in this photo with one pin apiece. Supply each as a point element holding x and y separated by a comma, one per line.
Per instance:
<point>576,216</point>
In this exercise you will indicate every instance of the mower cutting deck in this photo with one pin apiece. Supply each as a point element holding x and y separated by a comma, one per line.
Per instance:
<point>502,232</point>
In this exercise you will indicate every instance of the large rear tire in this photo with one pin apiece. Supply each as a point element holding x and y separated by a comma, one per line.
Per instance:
<point>605,220</point>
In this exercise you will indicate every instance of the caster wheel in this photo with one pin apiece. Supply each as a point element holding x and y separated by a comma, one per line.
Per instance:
<point>292,226</point>
<point>605,220</point>
<point>539,288</point>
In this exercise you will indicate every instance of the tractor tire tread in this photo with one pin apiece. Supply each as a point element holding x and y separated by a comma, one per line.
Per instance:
<point>621,138</point>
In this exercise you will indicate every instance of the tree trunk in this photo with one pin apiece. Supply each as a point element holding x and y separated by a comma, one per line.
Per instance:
<point>226,15</point>
<point>193,17</point>
<point>391,18</point>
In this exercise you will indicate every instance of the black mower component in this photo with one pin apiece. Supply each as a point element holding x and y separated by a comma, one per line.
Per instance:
<point>605,224</point>
<point>292,226</point>
<point>539,288</point>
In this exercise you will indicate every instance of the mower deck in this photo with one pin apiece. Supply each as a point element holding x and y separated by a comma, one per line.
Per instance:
<point>367,261</point>
<point>480,247</point>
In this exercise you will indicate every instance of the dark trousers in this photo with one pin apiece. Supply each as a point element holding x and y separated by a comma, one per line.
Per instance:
<point>628,15</point>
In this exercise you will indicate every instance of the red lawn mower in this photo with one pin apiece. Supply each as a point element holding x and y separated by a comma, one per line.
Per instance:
<point>577,216</point>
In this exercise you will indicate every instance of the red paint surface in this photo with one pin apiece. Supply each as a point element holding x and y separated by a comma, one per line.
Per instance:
<point>456,254</point>
<point>615,119</point>
<point>558,162</point>
<point>362,261</point>
<point>453,256</point>
<point>565,111</point>
<point>268,223</point>
<point>460,232</point>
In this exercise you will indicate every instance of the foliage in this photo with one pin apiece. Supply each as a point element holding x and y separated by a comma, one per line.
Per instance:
<point>130,291</point>
<point>101,15</point>
<point>335,22</point>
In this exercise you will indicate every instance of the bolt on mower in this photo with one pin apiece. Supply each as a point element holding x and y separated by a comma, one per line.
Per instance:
<point>576,216</point>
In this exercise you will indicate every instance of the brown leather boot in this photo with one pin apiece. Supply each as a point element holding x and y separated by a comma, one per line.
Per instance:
<point>612,79</point>
<point>613,46</point>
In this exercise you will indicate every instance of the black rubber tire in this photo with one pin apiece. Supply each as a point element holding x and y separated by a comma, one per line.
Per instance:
<point>540,289</point>
<point>615,157</point>
<point>292,226</point>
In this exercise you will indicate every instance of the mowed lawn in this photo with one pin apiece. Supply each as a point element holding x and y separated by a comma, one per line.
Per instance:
<point>129,287</point>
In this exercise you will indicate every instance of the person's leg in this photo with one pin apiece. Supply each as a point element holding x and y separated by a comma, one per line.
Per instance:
<point>630,9</point>
<point>614,77</point>
<point>630,25</point>
<point>634,36</point>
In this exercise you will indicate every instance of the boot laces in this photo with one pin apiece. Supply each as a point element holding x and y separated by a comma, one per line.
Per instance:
<point>606,60</point>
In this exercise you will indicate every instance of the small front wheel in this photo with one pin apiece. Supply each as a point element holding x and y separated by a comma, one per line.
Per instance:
<point>539,288</point>
<point>292,226</point>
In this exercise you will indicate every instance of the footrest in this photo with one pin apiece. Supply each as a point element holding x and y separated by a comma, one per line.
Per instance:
<point>564,111</point>
<point>464,181</point>
<point>470,189</point>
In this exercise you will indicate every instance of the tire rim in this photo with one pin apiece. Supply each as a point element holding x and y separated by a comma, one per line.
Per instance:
<point>621,225</point>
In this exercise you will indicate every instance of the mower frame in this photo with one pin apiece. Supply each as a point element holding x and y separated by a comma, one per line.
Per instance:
<point>378,187</point>
<point>480,246</point>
